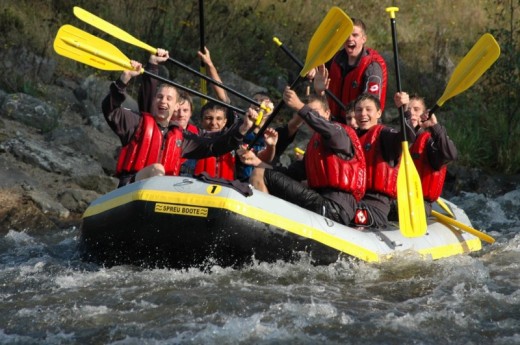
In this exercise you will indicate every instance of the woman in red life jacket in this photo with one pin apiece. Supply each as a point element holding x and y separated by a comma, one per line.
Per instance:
<point>354,70</point>
<point>333,165</point>
<point>151,144</point>
<point>431,151</point>
<point>382,149</point>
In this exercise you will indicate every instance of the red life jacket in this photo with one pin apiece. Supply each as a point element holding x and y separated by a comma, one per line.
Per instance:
<point>192,129</point>
<point>148,146</point>
<point>324,168</point>
<point>432,180</point>
<point>381,177</point>
<point>349,87</point>
<point>221,166</point>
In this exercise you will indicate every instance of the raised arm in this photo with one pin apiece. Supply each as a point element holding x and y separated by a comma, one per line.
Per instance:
<point>148,87</point>
<point>213,73</point>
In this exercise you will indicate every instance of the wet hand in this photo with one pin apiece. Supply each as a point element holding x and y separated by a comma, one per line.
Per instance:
<point>129,74</point>
<point>161,56</point>
<point>270,136</point>
<point>205,57</point>
<point>401,99</point>
<point>291,99</point>
<point>247,156</point>
<point>249,120</point>
<point>428,120</point>
<point>321,80</point>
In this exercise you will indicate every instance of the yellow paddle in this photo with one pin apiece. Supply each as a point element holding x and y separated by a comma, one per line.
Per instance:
<point>328,38</point>
<point>410,202</point>
<point>293,57</point>
<point>447,220</point>
<point>445,207</point>
<point>477,61</point>
<point>83,47</point>
<point>124,36</point>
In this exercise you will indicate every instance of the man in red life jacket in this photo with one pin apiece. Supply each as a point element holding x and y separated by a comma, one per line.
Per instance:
<point>151,144</point>
<point>431,151</point>
<point>334,165</point>
<point>382,149</point>
<point>214,119</point>
<point>354,70</point>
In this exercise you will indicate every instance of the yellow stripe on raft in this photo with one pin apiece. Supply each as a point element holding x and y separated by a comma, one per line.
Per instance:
<point>276,220</point>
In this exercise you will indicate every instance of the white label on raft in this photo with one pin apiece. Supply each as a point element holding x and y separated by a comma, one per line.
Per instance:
<point>181,209</point>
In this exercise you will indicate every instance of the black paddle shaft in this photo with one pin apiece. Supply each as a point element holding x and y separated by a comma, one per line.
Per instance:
<point>213,81</point>
<point>197,93</point>
<point>397,74</point>
<point>267,122</point>
<point>201,28</point>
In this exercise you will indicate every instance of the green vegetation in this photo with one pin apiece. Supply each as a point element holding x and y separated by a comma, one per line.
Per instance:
<point>433,37</point>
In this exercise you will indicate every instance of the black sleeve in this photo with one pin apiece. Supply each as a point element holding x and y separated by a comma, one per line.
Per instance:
<point>283,140</point>
<point>147,89</point>
<point>211,144</point>
<point>296,170</point>
<point>335,137</point>
<point>121,120</point>
<point>441,149</point>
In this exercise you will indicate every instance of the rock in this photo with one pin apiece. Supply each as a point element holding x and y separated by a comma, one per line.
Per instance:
<point>20,213</point>
<point>3,95</point>
<point>56,159</point>
<point>48,205</point>
<point>102,184</point>
<point>246,88</point>
<point>97,90</point>
<point>23,64</point>
<point>30,111</point>
<point>77,200</point>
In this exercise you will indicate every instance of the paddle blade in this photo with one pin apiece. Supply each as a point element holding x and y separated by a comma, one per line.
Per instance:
<point>83,47</point>
<point>111,29</point>
<point>327,39</point>
<point>410,202</point>
<point>445,207</point>
<point>477,61</point>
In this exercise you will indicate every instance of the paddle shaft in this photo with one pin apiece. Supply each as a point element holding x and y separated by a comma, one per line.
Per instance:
<point>270,119</point>
<point>197,93</point>
<point>445,219</point>
<point>203,85</point>
<point>398,74</point>
<point>201,28</point>
<point>300,64</point>
<point>213,81</point>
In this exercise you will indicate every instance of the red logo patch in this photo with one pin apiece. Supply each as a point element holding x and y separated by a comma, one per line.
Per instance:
<point>361,217</point>
<point>373,87</point>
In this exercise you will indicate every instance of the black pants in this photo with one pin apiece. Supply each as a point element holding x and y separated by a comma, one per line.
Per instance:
<point>286,188</point>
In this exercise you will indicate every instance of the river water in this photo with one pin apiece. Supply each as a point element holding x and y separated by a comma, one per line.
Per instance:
<point>48,296</point>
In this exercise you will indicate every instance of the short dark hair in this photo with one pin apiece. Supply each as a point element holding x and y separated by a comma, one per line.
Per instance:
<point>212,105</point>
<point>368,96</point>
<point>186,97</point>
<point>415,96</point>
<point>360,23</point>
<point>317,98</point>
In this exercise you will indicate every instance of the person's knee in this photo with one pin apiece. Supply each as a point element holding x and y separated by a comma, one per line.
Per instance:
<point>155,169</point>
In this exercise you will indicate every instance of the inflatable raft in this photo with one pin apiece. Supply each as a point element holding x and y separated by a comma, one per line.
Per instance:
<point>181,222</point>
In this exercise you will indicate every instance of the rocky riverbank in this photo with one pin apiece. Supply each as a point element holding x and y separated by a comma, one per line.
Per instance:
<point>57,153</point>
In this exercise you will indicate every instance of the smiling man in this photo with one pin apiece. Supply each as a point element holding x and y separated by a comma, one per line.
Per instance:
<point>354,70</point>
<point>153,145</point>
